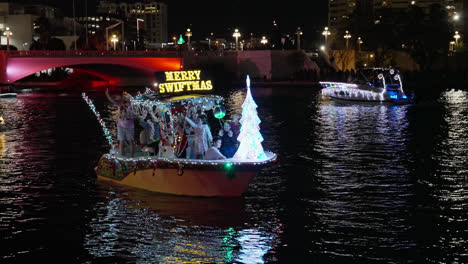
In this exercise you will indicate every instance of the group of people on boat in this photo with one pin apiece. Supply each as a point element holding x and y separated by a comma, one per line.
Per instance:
<point>193,137</point>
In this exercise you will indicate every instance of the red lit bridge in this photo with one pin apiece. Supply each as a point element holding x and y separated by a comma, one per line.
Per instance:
<point>15,65</point>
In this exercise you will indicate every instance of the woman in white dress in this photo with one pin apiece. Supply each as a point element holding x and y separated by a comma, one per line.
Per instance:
<point>202,137</point>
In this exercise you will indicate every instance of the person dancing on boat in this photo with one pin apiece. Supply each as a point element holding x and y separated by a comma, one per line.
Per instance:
<point>125,123</point>
<point>202,138</point>
<point>149,136</point>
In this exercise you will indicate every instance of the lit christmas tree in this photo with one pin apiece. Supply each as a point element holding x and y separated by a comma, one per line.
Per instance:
<point>249,137</point>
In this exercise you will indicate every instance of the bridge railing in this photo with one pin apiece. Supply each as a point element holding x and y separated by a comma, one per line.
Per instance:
<point>91,53</point>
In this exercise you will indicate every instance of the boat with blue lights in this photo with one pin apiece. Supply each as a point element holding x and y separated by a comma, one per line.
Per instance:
<point>171,172</point>
<point>381,85</point>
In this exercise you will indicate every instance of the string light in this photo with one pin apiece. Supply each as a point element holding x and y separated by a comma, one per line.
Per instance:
<point>332,89</point>
<point>353,91</point>
<point>119,167</point>
<point>251,155</point>
<point>98,116</point>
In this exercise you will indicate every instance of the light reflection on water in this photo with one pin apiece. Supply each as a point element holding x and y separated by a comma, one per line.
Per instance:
<point>354,183</point>
<point>169,229</point>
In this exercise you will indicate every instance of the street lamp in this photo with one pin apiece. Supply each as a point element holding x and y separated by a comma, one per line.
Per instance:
<point>298,33</point>
<point>359,42</point>
<point>209,40</point>
<point>347,36</point>
<point>264,41</point>
<point>188,34</point>
<point>456,37</point>
<point>326,33</point>
<point>114,40</point>
<point>236,35</point>
<point>452,43</point>
<point>8,33</point>
<point>138,21</point>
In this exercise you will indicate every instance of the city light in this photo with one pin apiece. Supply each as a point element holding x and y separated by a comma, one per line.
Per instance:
<point>209,40</point>
<point>456,37</point>
<point>114,40</point>
<point>264,41</point>
<point>236,35</point>
<point>188,34</point>
<point>452,44</point>
<point>347,36</point>
<point>298,33</point>
<point>326,33</point>
<point>8,33</point>
<point>359,42</point>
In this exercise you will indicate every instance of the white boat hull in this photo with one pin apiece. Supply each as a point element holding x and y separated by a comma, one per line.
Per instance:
<point>361,93</point>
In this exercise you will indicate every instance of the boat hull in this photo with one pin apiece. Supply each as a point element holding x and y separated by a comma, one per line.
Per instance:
<point>191,182</point>
<point>362,93</point>
<point>366,101</point>
<point>227,178</point>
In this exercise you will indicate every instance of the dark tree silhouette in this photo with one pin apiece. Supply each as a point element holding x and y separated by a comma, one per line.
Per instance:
<point>43,28</point>
<point>425,39</point>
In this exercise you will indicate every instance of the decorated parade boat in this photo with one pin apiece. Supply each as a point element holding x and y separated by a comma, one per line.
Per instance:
<point>169,171</point>
<point>381,85</point>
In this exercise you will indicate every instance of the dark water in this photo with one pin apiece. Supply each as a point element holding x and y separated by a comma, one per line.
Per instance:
<point>354,184</point>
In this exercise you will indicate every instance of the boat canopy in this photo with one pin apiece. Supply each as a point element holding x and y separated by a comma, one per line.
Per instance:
<point>378,77</point>
<point>170,113</point>
<point>151,103</point>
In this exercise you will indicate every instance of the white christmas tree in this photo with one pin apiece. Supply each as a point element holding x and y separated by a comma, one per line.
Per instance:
<point>249,137</point>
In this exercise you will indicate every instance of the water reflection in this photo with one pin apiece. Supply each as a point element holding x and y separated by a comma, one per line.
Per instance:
<point>354,184</point>
<point>135,224</point>
<point>363,180</point>
<point>447,186</point>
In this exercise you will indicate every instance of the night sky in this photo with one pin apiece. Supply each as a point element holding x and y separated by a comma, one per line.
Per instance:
<point>220,16</point>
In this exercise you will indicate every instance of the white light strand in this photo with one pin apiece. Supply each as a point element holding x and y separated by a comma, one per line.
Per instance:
<point>128,160</point>
<point>98,116</point>
<point>334,89</point>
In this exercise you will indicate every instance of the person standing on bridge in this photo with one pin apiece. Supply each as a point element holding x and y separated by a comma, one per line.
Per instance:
<point>125,123</point>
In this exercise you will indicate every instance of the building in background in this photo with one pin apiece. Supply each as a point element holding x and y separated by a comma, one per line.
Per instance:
<point>339,12</point>
<point>21,18</point>
<point>152,14</point>
<point>456,13</point>
<point>356,14</point>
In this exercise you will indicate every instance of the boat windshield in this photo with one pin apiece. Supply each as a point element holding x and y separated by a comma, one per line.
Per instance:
<point>371,76</point>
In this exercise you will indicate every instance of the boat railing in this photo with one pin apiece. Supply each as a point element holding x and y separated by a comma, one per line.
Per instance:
<point>91,53</point>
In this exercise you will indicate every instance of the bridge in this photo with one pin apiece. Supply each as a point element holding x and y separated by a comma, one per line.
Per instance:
<point>15,65</point>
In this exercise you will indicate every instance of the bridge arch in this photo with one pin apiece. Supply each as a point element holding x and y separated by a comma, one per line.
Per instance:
<point>21,64</point>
